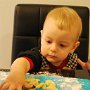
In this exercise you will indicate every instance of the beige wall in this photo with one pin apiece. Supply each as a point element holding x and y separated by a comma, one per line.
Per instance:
<point>7,18</point>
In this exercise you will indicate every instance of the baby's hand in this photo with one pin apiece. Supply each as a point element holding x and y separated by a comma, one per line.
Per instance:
<point>14,81</point>
<point>85,65</point>
<point>16,77</point>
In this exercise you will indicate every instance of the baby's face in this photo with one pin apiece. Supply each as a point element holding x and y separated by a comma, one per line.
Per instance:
<point>56,44</point>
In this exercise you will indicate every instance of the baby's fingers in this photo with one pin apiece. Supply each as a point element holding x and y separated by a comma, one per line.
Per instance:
<point>13,87</point>
<point>19,88</point>
<point>4,86</point>
<point>27,85</point>
<point>81,63</point>
<point>88,64</point>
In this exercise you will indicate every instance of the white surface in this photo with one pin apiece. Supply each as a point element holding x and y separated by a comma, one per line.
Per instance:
<point>7,18</point>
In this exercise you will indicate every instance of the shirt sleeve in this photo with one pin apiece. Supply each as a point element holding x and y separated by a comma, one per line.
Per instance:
<point>33,55</point>
<point>30,62</point>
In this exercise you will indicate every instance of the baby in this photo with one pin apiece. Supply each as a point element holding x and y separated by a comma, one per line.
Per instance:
<point>59,39</point>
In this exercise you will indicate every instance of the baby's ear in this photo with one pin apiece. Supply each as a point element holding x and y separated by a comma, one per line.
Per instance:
<point>75,46</point>
<point>41,32</point>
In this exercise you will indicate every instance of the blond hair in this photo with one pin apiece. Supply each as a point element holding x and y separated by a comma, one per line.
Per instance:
<point>66,18</point>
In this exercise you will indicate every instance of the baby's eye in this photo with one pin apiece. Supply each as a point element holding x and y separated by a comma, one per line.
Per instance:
<point>62,45</point>
<point>48,41</point>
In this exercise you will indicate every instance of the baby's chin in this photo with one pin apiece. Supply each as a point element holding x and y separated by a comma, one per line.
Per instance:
<point>53,61</point>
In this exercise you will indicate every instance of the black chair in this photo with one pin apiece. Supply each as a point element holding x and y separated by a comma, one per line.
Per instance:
<point>28,21</point>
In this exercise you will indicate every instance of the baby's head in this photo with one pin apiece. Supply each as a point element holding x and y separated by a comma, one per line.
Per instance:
<point>61,31</point>
<point>66,19</point>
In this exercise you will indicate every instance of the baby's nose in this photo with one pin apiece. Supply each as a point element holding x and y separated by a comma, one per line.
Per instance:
<point>53,48</point>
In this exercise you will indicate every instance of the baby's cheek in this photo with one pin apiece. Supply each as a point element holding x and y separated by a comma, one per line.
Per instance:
<point>43,51</point>
<point>63,56</point>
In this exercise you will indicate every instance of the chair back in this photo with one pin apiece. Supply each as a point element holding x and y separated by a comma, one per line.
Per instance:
<point>28,21</point>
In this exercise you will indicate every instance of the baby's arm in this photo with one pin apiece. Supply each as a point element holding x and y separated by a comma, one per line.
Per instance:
<point>16,77</point>
<point>85,65</point>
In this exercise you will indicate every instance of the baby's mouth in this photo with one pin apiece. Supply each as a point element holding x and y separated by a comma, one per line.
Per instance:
<point>52,56</point>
